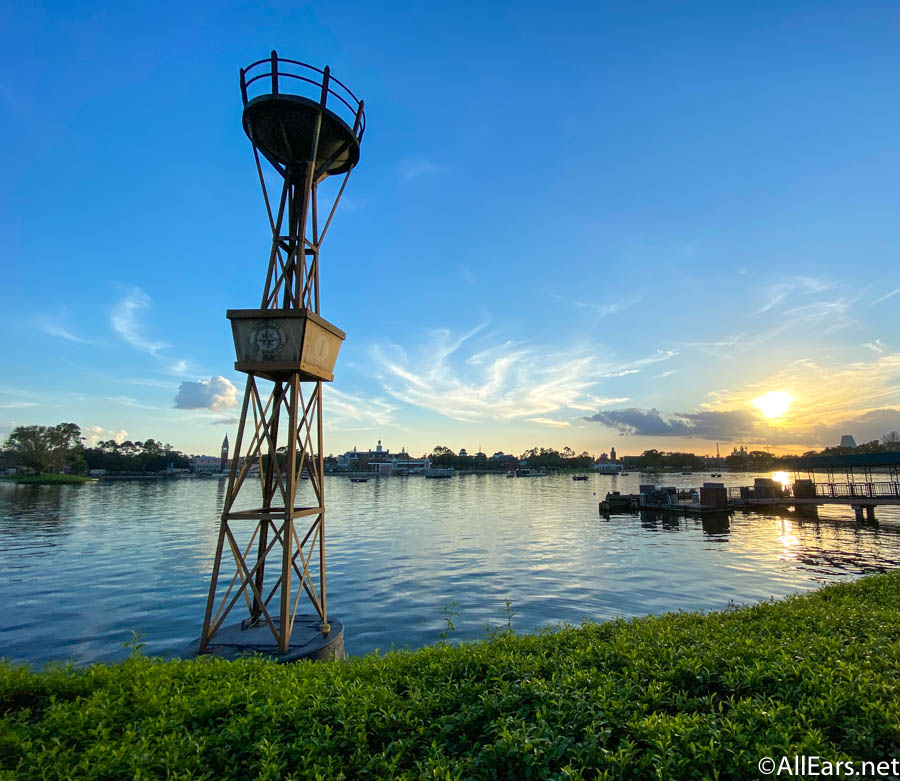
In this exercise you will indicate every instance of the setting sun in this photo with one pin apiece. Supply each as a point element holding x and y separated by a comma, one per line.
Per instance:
<point>774,403</point>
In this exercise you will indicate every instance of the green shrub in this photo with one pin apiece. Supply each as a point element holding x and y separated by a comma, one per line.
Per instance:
<point>681,695</point>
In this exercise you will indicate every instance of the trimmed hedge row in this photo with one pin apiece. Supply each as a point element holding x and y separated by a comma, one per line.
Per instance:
<point>682,695</point>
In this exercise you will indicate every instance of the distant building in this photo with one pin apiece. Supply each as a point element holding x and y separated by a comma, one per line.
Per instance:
<point>206,465</point>
<point>462,452</point>
<point>223,459</point>
<point>612,454</point>
<point>848,441</point>
<point>381,460</point>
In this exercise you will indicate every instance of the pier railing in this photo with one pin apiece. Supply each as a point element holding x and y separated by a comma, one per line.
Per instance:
<point>871,490</point>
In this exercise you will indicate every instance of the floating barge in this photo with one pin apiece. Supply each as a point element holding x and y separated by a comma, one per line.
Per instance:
<point>711,499</point>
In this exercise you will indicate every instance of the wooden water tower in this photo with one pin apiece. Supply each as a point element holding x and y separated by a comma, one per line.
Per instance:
<point>308,126</point>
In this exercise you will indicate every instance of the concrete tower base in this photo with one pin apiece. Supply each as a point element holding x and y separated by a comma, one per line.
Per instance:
<point>307,641</point>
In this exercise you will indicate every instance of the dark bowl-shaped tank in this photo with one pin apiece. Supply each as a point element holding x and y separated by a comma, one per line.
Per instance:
<point>283,128</point>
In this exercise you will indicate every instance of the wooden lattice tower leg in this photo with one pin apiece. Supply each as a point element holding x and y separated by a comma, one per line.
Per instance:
<point>286,343</point>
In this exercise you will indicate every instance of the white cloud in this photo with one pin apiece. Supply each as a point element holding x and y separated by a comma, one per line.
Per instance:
<point>876,346</point>
<point>215,393</point>
<point>125,321</point>
<point>94,434</point>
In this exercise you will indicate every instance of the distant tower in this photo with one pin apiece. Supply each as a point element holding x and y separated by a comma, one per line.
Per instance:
<point>612,454</point>
<point>848,441</point>
<point>308,126</point>
<point>223,462</point>
<point>378,446</point>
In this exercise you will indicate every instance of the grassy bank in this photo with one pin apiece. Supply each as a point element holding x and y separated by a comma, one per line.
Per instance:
<point>676,696</point>
<point>48,478</point>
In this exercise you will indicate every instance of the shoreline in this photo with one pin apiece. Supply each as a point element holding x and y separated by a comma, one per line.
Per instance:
<point>705,692</point>
<point>50,478</point>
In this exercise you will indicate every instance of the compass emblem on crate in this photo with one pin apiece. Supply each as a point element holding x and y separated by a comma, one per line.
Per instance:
<point>267,339</point>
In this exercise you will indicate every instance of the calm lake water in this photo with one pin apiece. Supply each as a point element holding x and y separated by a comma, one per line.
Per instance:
<point>85,565</point>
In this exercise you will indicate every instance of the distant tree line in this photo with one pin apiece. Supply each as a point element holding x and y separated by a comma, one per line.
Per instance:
<point>537,457</point>
<point>754,460</point>
<point>61,448</point>
<point>656,459</point>
<point>127,456</point>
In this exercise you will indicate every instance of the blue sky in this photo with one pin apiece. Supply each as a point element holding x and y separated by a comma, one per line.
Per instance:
<point>583,224</point>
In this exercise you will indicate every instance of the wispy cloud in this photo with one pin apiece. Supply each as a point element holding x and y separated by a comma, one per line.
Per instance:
<point>17,398</point>
<point>601,309</point>
<point>55,325</point>
<point>552,422</point>
<point>885,297</point>
<point>510,381</point>
<point>413,168</point>
<point>346,411</point>
<point>720,348</point>
<point>130,401</point>
<point>592,402</point>
<point>149,382</point>
<point>633,367</point>
<point>797,305</point>
<point>876,346</point>
<point>125,321</point>
<point>795,286</point>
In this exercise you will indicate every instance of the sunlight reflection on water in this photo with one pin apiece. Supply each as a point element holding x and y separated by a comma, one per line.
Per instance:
<point>85,565</point>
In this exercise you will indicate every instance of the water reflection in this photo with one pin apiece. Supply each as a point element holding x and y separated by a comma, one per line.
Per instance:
<point>782,477</point>
<point>36,514</point>
<point>712,524</point>
<point>85,565</point>
<point>716,524</point>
